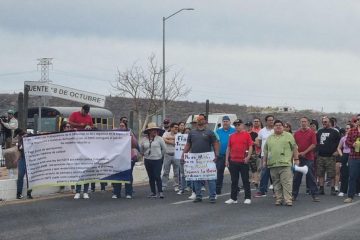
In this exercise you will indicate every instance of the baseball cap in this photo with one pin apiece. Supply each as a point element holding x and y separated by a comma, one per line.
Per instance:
<point>226,118</point>
<point>238,121</point>
<point>248,124</point>
<point>10,111</point>
<point>86,108</point>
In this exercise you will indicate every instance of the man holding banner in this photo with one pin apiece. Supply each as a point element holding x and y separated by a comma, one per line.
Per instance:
<point>199,155</point>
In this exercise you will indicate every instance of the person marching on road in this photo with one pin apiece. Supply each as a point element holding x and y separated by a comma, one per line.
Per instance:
<point>263,134</point>
<point>238,154</point>
<point>223,134</point>
<point>79,121</point>
<point>279,151</point>
<point>305,139</point>
<point>202,140</point>
<point>327,142</point>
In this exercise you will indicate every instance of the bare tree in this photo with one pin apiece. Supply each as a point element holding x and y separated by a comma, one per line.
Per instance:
<point>144,86</point>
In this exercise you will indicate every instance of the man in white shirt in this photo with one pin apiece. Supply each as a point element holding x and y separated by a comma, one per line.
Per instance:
<point>169,159</point>
<point>263,134</point>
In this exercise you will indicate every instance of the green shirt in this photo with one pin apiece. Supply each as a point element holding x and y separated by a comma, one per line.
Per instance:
<point>279,150</point>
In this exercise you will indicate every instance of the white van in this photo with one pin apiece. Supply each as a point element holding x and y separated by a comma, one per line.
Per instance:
<point>214,120</point>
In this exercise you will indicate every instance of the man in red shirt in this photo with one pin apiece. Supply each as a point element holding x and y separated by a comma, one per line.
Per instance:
<point>81,119</point>
<point>238,153</point>
<point>305,139</point>
<point>353,142</point>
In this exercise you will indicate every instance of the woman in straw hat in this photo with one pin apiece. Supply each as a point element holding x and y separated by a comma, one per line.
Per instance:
<point>153,150</point>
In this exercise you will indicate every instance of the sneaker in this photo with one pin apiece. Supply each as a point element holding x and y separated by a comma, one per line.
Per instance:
<point>196,200</point>
<point>193,196</point>
<point>86,196</point>
<point>212,200</point>
<point>341,194</point>
<point>271,187</point>
<point>188,189</point>
<point>230,201</point>
<point>203,189</point>
<point>128,197</point>
<point>114,196</point>
<point>180,192</point>
<point>259,195</point>
<point>19,196</point>
<point>152,195</point>
<point>336,189</point>
<point>176,189</point>
<point>348,200</point>
<point>247,201</point>
<point>278,202</point>
<point>315,199</point>
<point>161,195</point>
<point>289,204</point>
<point>77,196</point>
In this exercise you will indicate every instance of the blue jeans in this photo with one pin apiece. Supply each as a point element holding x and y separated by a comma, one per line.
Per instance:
<point>21,174</point>
<point>310,178</point>
<point>212,188</point>
<point>264,179</point>
<point>128,186</point>
<point>86,188</point>
<point>354,173</point>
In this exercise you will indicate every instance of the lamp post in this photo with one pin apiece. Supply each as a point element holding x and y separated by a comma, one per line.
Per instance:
<point>163,85</point>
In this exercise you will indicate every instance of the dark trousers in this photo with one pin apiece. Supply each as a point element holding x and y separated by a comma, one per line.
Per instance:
<point>310,178</point>
<point>86,188</point>
<point>220,167</point>
<point>128,186</point>
<point>236,169</point>
<point>153,169</point>
<point>354,173</point>
<point>344,173</point>
<point>102,186</point>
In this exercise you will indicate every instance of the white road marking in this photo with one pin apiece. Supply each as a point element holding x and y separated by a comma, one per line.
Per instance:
<point>280,224</point>
<point>332,230</point>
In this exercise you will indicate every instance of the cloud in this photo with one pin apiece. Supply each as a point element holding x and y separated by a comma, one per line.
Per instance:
<point>301,53</point>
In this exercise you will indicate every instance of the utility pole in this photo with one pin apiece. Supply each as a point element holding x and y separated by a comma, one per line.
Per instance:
<point>44,64</point>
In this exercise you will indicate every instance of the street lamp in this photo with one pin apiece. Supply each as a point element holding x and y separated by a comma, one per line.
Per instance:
<point>163,85</point>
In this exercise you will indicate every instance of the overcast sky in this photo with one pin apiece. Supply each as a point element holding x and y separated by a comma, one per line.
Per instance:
<point>303,54</point>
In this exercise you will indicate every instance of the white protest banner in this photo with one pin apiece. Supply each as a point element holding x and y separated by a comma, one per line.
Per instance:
<point>199,166</point>
<point>53,90</point>
<point>180,142</point>
<point>78,157</point>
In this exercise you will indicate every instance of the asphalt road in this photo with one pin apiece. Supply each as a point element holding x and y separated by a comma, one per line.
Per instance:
<point>177,218</point>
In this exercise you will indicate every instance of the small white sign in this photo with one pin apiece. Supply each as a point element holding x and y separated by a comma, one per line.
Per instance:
<point>200,166</point>
<point>53,90</point>
<point>180,142</point>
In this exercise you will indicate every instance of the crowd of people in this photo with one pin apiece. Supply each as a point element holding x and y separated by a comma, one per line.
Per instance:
<point>256,153</point>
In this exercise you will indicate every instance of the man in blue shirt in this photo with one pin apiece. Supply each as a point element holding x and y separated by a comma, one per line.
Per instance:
<point>223,136</point>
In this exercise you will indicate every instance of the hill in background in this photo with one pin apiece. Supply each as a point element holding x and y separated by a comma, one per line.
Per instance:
<point>180,110</point>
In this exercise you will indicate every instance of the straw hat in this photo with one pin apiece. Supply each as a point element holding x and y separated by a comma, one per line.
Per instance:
<point>152,126</point>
